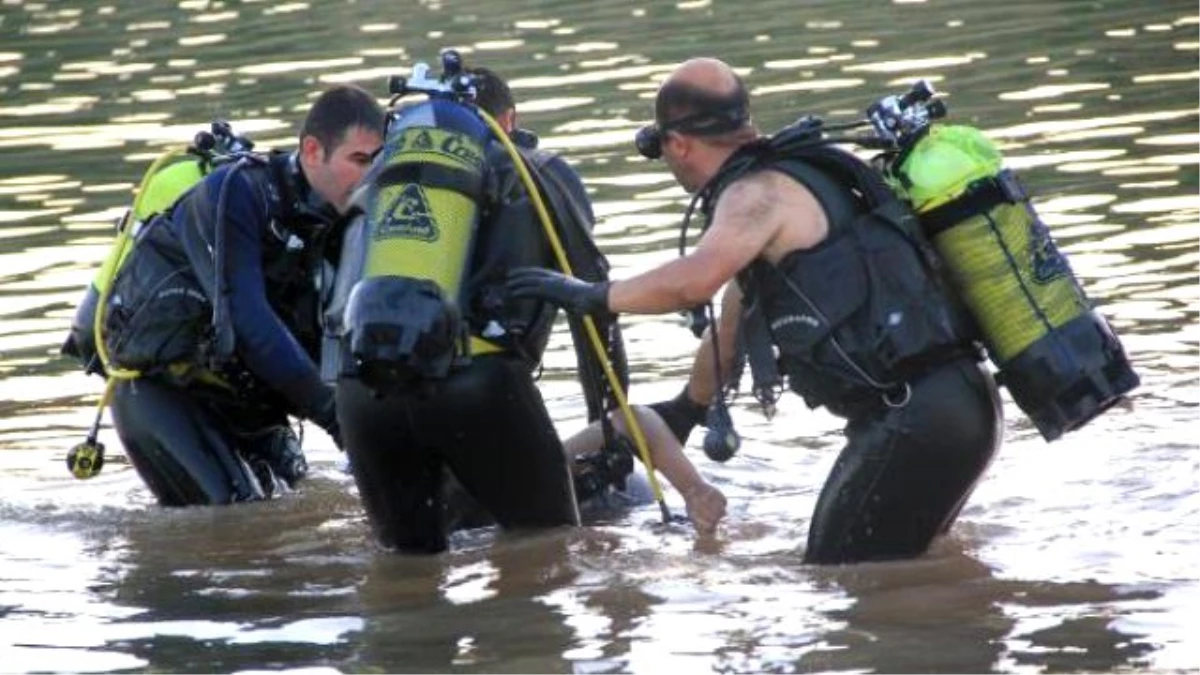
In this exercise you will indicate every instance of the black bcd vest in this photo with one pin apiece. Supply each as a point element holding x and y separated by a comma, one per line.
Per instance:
<point>161,309</point>
<point>854,318</point>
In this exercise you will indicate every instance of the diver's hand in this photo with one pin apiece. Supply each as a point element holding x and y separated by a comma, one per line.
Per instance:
<point>325,416</point>
<point>681,414</point>
<point>574,295</point>
<point>705,506</point>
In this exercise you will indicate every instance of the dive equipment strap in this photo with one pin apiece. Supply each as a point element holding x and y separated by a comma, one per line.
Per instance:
<point>224,340</point>
<point>279,164</point>
<point>755,346</point>
<point>284,208</point>
<point>469,184</point>
<point>980,197</point>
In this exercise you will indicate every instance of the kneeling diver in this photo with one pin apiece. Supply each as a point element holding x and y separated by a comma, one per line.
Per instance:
<point>214,315</point>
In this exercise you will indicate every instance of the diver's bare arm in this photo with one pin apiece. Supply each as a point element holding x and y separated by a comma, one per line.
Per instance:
<point>743,225</point>
<point>705,503</point>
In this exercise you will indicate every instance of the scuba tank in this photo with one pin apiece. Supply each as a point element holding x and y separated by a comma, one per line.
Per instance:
<point>1059,358</point>
<point>165,181</point>
<point>403,323</point>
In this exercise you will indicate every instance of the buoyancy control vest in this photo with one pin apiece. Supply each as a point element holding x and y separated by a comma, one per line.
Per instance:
<point>1060,360</point>
<point>512,237</point>
<point>163,311</point>
<point>863,312</point>
<point>165,181</point>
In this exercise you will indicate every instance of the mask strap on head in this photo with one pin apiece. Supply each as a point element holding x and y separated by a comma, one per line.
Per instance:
<point>709,115</point>
<point>713,113</point>
<point>707,123</point>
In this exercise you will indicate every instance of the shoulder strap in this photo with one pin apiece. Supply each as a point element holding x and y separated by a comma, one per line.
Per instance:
<point>281,191</point>
<point>755,346</point>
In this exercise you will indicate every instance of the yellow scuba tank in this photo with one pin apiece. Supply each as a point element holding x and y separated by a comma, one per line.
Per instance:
<point>420,208</point>
<point>167,179</point>
<point>164,188</point>
<point>1059,359</point>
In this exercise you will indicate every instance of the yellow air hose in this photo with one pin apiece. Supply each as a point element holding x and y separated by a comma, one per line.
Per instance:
<point>560,256</point>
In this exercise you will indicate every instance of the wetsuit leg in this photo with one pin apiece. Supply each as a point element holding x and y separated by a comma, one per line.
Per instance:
<point>905,472</point>
<point>498,439</point>
<point>184,453</point>
<point>486,423</point>
<point>399,482</point>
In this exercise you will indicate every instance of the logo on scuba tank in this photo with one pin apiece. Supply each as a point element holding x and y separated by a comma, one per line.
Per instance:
<point>408,217</point>
<point>1047,263</point>
<point>452,146</point>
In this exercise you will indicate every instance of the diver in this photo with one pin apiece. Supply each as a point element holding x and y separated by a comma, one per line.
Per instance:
<point>704,503</point>
<point>832,287</point>
<point>217,308</point>
<point>479,443</point>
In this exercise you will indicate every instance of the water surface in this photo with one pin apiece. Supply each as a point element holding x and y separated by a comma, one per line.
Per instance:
<point>1077,555</point>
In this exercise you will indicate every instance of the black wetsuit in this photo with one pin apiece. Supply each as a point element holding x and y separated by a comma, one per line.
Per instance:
<point>864,327</point>
<point>222,436</point>
<point>905,472</point>
<point>486,423</point>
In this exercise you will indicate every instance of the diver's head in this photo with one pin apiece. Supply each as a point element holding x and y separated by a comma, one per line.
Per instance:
<point>494,96</point>
<point>701,116</point>
<point>342,132</point>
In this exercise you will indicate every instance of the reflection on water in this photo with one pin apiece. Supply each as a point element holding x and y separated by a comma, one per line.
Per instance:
<point>1074,556</point>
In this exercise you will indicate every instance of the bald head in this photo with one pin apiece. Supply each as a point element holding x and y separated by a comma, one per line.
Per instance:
<point>703,97</point>
<point>710,75</point>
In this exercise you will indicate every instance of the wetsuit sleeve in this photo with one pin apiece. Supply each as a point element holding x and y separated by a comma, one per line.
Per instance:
<point>264,343</point>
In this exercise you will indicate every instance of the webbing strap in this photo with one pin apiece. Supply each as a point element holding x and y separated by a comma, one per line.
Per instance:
<point>756,346</point>
<point>980,197</point>
<point>428,175</point>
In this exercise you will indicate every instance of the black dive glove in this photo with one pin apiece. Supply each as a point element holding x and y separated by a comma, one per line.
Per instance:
<point>325,416</point>
<point>681,414</point>
<point>574,295</point>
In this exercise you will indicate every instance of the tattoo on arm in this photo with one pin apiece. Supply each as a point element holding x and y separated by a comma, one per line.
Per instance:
<point>745,217</point>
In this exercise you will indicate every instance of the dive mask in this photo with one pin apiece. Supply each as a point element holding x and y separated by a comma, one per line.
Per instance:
<point>714,115</point>
<point>648,141</point>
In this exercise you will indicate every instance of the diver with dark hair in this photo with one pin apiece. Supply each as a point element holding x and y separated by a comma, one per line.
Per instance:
<point>216,311</point>
<point>473,443</point>
<point>704,503</point>
<point>831,286</point>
